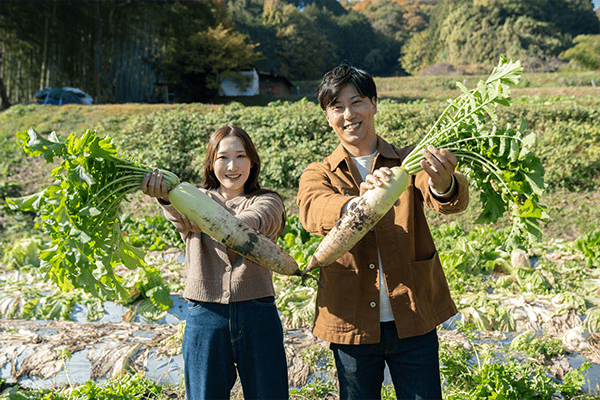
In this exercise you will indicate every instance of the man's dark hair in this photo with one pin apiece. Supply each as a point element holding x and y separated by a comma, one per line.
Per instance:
<point>339,76</point>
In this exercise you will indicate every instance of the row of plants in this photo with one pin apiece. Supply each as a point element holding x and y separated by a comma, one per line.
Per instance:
<point>481,276</point>
<point>291,135</point>
<point>474,370</point>
<point>125,387</point>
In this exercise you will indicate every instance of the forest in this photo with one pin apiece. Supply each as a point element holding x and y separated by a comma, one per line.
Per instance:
<point>125,51</point>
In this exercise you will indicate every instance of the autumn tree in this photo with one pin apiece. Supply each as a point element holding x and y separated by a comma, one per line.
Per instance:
<point>195,64</point>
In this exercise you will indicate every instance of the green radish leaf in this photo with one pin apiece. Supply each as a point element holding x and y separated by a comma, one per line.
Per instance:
<point>25,203</point>
<point>498,161</point>
<point>80,212</point>
<point>36,145</point>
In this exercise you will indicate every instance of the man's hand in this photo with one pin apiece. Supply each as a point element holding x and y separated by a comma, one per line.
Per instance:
<point>439,165</point>
<point>376,179</point>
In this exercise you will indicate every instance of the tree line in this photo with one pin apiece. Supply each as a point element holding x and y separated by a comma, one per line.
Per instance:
<point>124,50</point>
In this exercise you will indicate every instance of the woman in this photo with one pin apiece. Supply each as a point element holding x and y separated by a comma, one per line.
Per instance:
<point>232,322</point>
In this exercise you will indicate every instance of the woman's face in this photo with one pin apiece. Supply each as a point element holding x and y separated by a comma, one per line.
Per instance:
<point>232,167</point>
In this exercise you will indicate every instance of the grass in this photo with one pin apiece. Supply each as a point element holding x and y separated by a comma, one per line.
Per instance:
<point>78,118</point>
<point>570,215</point>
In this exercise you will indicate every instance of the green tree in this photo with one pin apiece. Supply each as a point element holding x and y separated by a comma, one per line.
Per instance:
<point>354,39</point>
<point>273,12</point>
<point>474,33</point>
<point>301,47</point>
<point>393,25</point>
<point>247,12</point>
<point>572,17</point>
<point>332,6</point>
<point>419,52</point>
<point>585,55</point>
<point>480,35</point>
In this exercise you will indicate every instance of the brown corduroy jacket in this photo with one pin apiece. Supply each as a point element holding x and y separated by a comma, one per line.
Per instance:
<point>348,304</point>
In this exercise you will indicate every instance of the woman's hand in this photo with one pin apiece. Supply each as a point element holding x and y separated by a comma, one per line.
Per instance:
<point>184,224</point>
<point>154,185</point>
<point>439,165</point>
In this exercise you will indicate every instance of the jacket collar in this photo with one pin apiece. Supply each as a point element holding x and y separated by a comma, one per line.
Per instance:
<point>340,154</point>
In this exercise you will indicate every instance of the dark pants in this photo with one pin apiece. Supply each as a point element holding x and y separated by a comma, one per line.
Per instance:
<point>220,338</point>
<point>413,363</point>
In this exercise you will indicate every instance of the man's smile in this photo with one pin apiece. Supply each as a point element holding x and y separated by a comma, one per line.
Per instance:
<point>352,127</point>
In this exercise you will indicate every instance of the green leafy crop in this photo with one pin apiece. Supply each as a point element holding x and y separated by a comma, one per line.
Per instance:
<point>509,176</point>
<point>80,213</point>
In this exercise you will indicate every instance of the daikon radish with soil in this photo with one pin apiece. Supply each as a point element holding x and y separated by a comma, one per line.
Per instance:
<point>360,217</point>
<point>508,176</point>
<point>225,228</point>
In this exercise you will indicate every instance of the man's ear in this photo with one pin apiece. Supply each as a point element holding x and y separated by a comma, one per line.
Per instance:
<point>327,117</point>
<point>374,101</point>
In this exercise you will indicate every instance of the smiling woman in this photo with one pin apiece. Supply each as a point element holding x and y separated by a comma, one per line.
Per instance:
<point>229,295</point>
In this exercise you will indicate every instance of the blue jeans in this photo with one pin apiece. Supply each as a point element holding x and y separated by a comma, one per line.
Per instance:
<point>246,336</point>
<point>413,363</point>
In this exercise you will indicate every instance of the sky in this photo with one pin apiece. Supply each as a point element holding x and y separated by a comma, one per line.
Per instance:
<point>596,3</point>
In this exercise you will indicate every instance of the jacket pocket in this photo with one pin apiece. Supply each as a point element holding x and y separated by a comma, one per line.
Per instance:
<point>430,294</point>
<point>337,300</point>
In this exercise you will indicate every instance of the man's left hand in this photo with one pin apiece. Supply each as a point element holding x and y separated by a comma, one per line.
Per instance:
<point>439,165</point>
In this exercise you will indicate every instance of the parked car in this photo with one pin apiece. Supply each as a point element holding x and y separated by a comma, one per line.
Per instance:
<point>60,96</point>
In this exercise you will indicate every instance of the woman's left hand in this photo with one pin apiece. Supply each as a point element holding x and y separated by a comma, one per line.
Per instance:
<point>439,165</point>
<point>184,224</point>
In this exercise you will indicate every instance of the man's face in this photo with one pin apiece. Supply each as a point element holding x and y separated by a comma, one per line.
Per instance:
<point>352,117</point>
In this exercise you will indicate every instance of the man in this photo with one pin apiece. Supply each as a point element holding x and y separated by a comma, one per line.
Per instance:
<point>382,301</point>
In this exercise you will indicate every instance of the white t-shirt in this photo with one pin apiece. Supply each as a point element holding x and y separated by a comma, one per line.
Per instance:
<point>364,165</point>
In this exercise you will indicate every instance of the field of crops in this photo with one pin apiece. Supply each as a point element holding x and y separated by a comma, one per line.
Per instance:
<point>529,322</point>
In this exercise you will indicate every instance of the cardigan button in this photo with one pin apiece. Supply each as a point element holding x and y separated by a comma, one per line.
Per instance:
<point>372,266</point>
<point>227,268</point>
<point>226,294</point>
<point>373,304</point>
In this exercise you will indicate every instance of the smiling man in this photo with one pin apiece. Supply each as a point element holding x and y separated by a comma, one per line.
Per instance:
<point>382,301</point>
